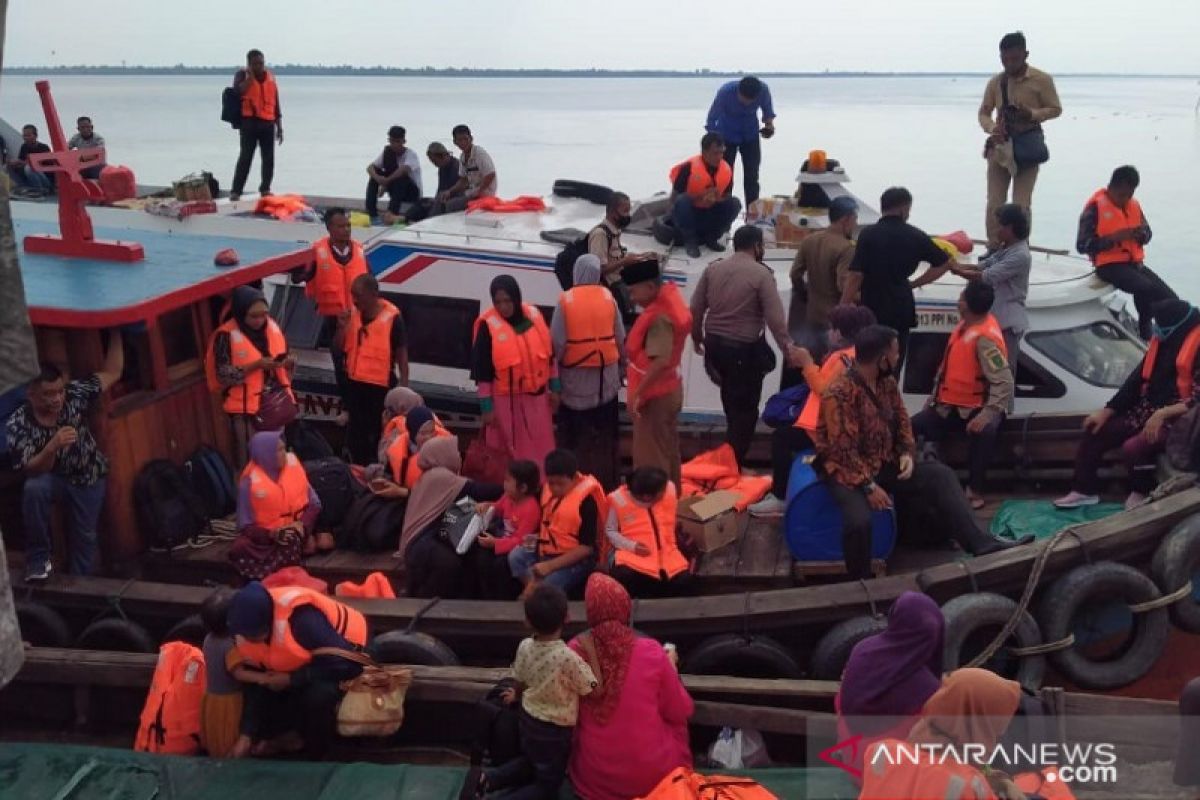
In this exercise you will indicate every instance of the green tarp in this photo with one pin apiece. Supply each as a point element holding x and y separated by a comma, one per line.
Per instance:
<point>61,772</point>
<point>1016,518</point>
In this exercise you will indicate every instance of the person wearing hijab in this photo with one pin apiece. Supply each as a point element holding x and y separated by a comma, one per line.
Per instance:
<point>632,730</point>
<point>433,568</point>
<point>396,405</point>
<point>890,675</point>
<point>1138,416</point>
<point>247,360</point>
<point>589,347</point>
<point>277,511</point>
<point>400,470</point>
<point>512,363</point>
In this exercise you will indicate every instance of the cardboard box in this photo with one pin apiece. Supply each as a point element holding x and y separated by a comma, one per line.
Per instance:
<point>711,521</point>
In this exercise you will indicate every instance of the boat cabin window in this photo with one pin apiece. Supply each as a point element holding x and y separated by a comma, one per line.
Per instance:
<point>138,375</point>
<point>297,316</point>
<point>1100,353</point>
<point>180,336</point>
<point>439,328</point>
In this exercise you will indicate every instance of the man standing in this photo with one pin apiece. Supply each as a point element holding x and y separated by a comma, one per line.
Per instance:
<point>703,207</point>
<point>865,447</point>
<point>734,115</point>
<point>373,338</point>
<point>973,387</point>
<point>655,346</point>
<point>262,122</point>
<point>396,171</point>
<point>476,174</point>
<point>84,139</point>
<point>19,169</point>
<point>733,302</point>
<point>1113,233</point>
<point>50,441</point>
<point>820,270</point>
<point>885,257</point>
<point>589,345</point>
<point>1015,104</point>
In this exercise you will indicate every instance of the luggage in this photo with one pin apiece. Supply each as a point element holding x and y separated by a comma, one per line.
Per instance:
<point>813,521</point>
<point>783,408</point>
<point>169,511</point>
<point>306,442</point>
<point>564,262</point>
<point>212,481</point>
<point>333,482</point>
<point>170,721</point>
<point>231,107</point>
<point>374,701</point>
<point>373,524</point>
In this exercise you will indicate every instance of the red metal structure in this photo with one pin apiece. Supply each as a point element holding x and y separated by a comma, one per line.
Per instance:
<point>74,192</point>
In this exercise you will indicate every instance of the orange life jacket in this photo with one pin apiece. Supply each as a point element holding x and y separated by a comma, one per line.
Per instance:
<point>895,777</point>
<point>590,318</point>
<point>1185,362</point>
<point>522,361</point>
<point>261,97</point>
<point>669,303</point>
<point>281,206</point>
<point>963,384</point>
<point>1045,784</point>
<point>700,181</point>
<point>561,518</point>
<point>244,398</point>
<point>330,284</point>
<point>368,347</point>
<point>278,502</point>
<point>170,721</point>
<point>281,652</point>
<point>402,461</point>
<point>717,470</point>
<point>683,783</point>
<point>516,205</point>
<point>374,586</point>
<point>835,364</point>
<point>653,527</point>
<point>1111,218</point>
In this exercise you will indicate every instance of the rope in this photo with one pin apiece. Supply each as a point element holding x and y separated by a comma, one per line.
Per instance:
<point>870,600</point>
<point>1182,593</point>
<point>746,618</point>
<point>1042,649</point>
<point>422,611</point>
<point>965,563</point>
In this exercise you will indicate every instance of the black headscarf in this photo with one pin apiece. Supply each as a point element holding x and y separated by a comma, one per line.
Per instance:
<point>508,284</point>
<point>244,297</point>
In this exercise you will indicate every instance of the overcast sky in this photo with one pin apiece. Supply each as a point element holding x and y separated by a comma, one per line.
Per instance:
<point>1148,36</point>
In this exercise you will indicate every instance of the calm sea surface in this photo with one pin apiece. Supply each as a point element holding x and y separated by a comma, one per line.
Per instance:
<point>627,132</point>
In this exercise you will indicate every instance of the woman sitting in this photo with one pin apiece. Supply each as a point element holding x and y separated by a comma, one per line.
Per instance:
<point>401,463</point>
<point>396,405</point>
<point>434,569</point>
<point>276,512</point>
<point>632,730</point>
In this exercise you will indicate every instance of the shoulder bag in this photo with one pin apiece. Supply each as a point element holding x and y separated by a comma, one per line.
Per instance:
<point>374,701</point>
<point>1029,147</point>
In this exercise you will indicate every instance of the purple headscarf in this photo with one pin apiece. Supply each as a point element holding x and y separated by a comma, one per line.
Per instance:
<point>264,451</point>
<point>893,673</point>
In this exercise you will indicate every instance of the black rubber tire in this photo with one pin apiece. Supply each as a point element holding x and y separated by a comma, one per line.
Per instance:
<point>190,629</point>
<point>115,633</point>
<point>969,614</point>
<point>742,657</point>
<point>41,625</point>
<point>665,232</point>
<point>1086,586</point>
<point>592,192</point>
<point>833,650</point>
<point>402,647</point>
<point>1177,561</point>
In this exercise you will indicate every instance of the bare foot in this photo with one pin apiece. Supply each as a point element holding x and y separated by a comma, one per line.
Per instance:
<point>976,500</point>
<point>241,748</point>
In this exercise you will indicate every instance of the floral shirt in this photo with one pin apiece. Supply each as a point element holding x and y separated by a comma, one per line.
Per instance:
<point>859,433</point>
<point>554,677</point>
<point>82,463</point>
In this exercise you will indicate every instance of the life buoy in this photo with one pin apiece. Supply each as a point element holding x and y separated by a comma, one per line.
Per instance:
<point>412,647</point>
<point>116,633</point>
<point>834,648</point>
<point>1175,562</point>
<point>592,192</point>
<point>190,629</point>
<point>743,657</point>
<point>41,626</point>
<point>973,620</point>
<point>1088,589</point>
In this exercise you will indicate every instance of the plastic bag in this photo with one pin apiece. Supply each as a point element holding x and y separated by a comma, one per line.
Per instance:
<point>739,749</point>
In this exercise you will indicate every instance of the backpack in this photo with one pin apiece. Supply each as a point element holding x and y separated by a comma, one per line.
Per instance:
<point>564,262</point>
<point>497,738</point>
<point>685,784</point>
<point>783,408</point>
<point>373,524</point>
<point>169,511</point>
<point>170,721</point>
<point>231,108</point>
<point>333,482</point>
<point>212,481</point>
<point>306,442</point>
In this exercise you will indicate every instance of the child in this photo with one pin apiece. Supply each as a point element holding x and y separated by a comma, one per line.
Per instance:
<point>516,517</point>
<point>221,710</point>
<point>551,678</point>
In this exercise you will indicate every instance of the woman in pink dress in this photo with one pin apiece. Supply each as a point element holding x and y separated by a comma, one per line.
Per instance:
<point>632,730</point>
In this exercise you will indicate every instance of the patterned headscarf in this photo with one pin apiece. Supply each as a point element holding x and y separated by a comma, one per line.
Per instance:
<point>608,611</point>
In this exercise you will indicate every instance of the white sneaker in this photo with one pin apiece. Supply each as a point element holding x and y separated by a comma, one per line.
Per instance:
<point>39,573</point>
<point>769,506</point>
<point>1076,500</point>
<point>1134,500</point>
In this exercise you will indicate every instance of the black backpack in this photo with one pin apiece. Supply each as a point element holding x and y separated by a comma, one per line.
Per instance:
<point>498,738</point>
<point>331,479</point>
<point>169,511</point>
<point>373,524</point>
<point>564,262</point>
<point>213,482</point>
<point>231,108</point>
<point>306,442</point>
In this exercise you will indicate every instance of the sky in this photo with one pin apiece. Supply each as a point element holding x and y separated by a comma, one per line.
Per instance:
<point>1111,36</point>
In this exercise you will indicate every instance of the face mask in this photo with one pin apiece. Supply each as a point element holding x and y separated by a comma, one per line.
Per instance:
<point>624,220</point>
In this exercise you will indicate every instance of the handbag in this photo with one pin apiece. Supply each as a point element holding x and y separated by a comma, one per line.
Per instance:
<point>374,701</point>
<point>457,523</point>
<point>485,462</point>
<point>1029,147</point>
<point>276,410</point>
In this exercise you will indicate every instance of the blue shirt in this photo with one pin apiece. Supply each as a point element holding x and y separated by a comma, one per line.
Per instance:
<point>733,119</point>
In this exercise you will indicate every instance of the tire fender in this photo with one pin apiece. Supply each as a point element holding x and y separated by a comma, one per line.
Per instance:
<point>969,614</point>
<point>833,650</point>
<point>1175,562</point>
<point>116,633</point>
<point>592,192</point>
<point>41,625</point>
<point>742,656</point>
<point>404,647</point>
<point>190,629</point>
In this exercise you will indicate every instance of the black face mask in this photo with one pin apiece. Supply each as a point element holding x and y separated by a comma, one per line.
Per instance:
<point>623,221</point>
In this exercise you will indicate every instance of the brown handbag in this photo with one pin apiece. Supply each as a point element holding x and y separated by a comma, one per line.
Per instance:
<point>374,701</point>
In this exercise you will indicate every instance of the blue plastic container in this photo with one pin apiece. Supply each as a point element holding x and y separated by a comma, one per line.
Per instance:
<point>813,522</point>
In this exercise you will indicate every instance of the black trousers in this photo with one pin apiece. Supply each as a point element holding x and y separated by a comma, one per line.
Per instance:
<point>933,427</point>
<point>1145,286</point>
<point>364,403</point>
<point>488,576</point>
<point>933,486</point>
<point>640,585</point>
<point>310,710</point>
<point>751,160</point>
<point>902,337</point>
<point>786,444</point>
<point>736,368</point>
<point>540,770</point>
<point>258,133</point>
<point>401,190</point>
<point>592,434</point>
<point>433,568</point>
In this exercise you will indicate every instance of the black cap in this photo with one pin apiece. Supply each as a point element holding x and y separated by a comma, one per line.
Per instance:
<point>641,271</point>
